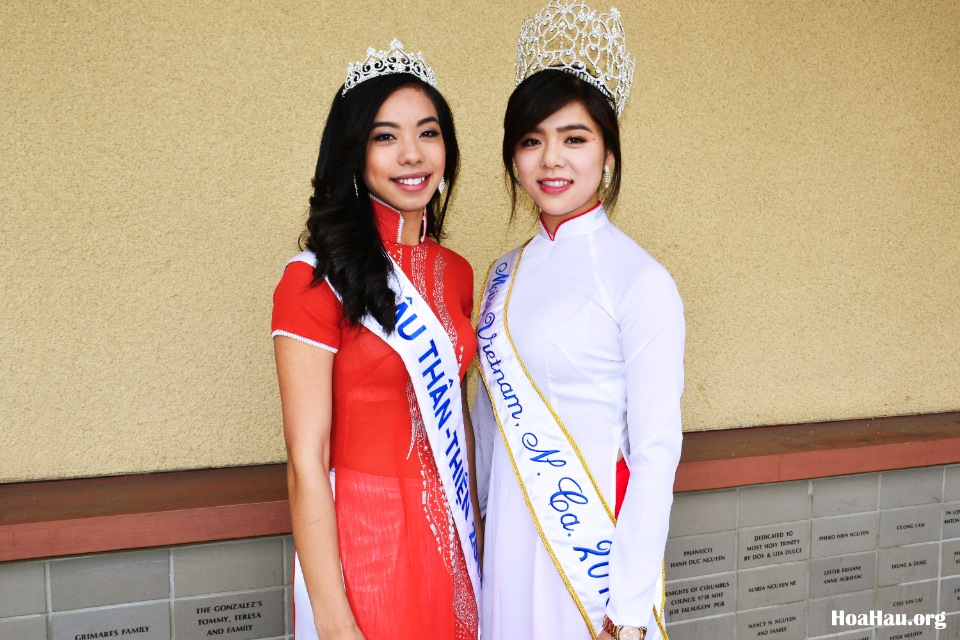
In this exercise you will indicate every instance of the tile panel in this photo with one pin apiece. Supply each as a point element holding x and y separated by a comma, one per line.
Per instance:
<point>843,574</point>
<point>700,597</point>
<point>773,544</point>
<point>845,494</point>
<point>22,589</point>
<point>951,483</point>
<point>914,563</point>
<point>774,503</point>
<point>907,487</point>
<point>820,618</point>
<point>951,630</point>
<point>136,622</point>
<point>844,534</point>
<point>703,512</point>
<point>109,578</point>
<point>950,595</point>
<point>864,634</point>
<point>909,599</point>
<point>716,627</point>
<point>910,525</point>
<point>228,566</point>
<point>701,555</point>
<point>786,622</point>
<point>906,633</point>
<point>769,586</point>
<point>951,520</point>
<point>950,558</point>
<point>249,615</point>
<point>24,628</point>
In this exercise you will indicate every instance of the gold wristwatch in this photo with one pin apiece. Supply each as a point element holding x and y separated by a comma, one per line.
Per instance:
<point>623,632</point>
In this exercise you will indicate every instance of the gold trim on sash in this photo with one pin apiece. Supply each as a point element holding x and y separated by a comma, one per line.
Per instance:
<point>663,600</point>
<point>536,522</point>
<point>563,428</point>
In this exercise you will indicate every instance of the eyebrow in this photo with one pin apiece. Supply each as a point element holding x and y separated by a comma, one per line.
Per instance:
<point>565,128</point>
<point>394,125</point>
<point>574,127</point>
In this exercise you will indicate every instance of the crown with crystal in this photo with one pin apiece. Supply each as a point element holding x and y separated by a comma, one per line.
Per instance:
<point>382,63</point>
<point>567,35</point>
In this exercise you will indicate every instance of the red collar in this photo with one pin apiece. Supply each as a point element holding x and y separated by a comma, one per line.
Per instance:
<point>553,236</point>
<point>390,222</point>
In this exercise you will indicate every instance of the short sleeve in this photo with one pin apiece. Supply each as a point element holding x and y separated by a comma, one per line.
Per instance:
<point>304,312</point>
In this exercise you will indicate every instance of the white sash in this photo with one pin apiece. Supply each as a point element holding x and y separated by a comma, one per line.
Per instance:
<point>575,523</point>
<point>425,348</point>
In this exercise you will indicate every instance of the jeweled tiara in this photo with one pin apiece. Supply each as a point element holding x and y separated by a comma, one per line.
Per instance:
<point>382,63</point>
<point>567,35</point>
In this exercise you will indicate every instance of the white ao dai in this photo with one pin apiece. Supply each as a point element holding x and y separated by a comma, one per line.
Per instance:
<point>599,325</point>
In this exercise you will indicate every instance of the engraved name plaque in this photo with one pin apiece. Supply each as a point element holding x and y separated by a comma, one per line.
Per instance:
<point>951,520</point>
<point>700,597</point>
<point>901,565</point>
<point>908,599</point>
<point>910,525</point>
<point>246,616</point>
<point>700,555</point>
<point>830,576</point>
<point>779,623</point>
<point>136,622</point>
<point>767,586</point>
<point>843,535</point>
<point>950,595</point>
<point>950,560</point>
<point>762,546</point>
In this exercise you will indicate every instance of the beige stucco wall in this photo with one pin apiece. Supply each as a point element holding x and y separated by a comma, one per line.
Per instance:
<point>794,165</point>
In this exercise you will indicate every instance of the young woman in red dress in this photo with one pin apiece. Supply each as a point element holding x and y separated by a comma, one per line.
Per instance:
<point>385,558</point>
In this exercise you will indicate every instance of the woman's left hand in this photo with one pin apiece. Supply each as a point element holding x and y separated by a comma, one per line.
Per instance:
<point>604,636</point>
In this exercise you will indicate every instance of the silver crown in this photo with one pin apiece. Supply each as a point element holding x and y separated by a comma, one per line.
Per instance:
<point>382,63</point>
<point>567,35</point>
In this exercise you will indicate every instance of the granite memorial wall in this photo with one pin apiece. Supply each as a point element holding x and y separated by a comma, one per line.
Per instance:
<point>765,562</point>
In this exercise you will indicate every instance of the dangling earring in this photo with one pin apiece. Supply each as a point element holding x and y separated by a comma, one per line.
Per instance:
<point>606,176</point>
<point>355,191</point>
<point>443,184</point>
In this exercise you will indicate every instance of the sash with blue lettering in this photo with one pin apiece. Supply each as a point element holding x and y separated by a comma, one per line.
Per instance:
<point>575,523</point>
<point>425,348</point>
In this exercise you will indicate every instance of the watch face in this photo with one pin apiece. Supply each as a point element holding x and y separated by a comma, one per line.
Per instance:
<point>629,633</point>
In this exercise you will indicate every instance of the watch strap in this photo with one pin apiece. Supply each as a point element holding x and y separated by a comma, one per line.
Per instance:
<point>615,629</point>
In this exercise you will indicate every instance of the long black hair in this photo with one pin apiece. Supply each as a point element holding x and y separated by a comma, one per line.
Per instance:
<point>540,96</point>
<point>341,228</point>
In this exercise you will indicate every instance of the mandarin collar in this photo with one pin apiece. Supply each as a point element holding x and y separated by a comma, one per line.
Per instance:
<point>390,222</point>
<point>579,225</point>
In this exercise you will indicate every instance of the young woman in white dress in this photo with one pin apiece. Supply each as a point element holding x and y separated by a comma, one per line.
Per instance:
<point>581,337</point>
